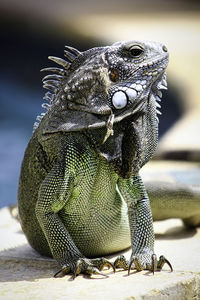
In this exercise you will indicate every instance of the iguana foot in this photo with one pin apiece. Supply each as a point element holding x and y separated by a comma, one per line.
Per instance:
<point>142,262</point>
<point>86,266</point>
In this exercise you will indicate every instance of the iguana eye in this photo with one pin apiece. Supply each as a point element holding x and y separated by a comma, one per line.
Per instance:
<point>136,51</point>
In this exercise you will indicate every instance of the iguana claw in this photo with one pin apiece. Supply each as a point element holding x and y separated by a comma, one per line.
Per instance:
<point>155,265</point>
<point>161,262</point>
<point>86,266</point>
<point>102,262</point>
<point>65,270</point>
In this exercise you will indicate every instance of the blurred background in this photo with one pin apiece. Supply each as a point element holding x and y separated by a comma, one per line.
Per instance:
<point>31,30</point>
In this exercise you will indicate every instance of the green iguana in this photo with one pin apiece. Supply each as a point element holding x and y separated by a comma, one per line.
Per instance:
<point>80,193</point>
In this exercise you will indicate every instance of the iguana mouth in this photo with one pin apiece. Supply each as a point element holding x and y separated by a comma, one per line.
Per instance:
<point>155,67</point>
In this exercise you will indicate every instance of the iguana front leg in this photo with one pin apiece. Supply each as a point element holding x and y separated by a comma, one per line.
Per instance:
<point>141,227</point>
<point>55,191</point>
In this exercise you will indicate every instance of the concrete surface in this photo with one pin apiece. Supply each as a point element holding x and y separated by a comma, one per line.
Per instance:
<point>24,274</point>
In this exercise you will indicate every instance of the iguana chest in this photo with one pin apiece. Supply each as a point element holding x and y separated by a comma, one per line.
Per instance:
<point>96,215</point>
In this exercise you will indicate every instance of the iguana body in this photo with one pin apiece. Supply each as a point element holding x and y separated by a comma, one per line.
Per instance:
<point>80,194</point>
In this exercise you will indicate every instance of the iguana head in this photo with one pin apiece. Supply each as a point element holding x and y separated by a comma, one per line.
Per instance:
<point>103,87</point>
<point>106,81</point>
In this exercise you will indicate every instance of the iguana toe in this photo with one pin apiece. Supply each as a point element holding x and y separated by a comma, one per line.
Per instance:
<point>148,262</point>
<point>121,262</point>
<point>102,262</point>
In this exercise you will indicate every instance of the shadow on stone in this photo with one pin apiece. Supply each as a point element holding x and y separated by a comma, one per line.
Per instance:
<point>177,232</point>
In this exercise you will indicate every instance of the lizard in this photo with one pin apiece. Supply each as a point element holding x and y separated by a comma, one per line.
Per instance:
<point>80,195</point>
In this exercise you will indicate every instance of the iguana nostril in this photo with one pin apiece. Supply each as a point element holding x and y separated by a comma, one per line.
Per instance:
<point>164,48</point>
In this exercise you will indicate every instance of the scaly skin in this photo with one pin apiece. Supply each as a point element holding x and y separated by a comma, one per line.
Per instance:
<point>80,193</point>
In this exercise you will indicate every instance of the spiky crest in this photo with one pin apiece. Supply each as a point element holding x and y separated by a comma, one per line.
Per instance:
<point>52,82</point>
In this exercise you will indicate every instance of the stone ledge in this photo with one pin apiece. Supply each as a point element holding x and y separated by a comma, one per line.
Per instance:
<point>24,274</point>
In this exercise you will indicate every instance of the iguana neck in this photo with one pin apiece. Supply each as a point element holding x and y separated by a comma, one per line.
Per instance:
<point>133,143</point>
<point>122,149</point>
<point>149,126</point>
